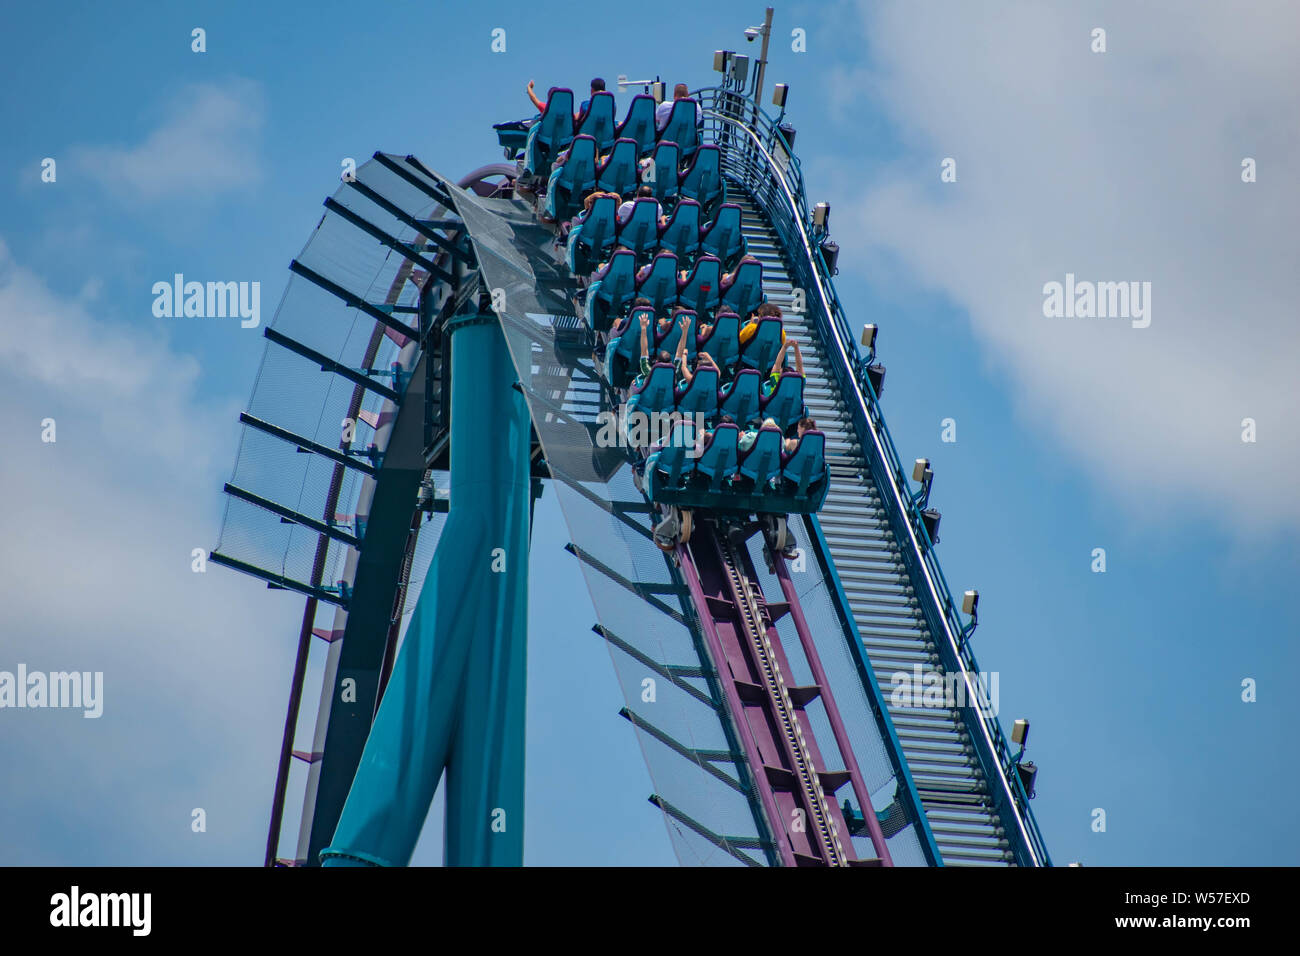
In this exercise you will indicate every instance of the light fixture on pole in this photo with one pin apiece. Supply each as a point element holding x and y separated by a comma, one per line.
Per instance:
<point>1027,771</point>
<point>923,473</point>
<point>869,372</point>
<point>822,216</point>
<point>970,603</point>
<point>869,332</point>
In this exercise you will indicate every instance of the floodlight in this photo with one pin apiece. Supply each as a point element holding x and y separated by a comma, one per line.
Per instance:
<point>1020,732</point>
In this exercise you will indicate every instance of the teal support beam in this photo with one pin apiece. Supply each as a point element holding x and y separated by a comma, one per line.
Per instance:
<point>370,613</point>
<point>455,700</point>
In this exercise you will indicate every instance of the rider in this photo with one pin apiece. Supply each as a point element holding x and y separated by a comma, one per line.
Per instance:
<point>645,353</point>
<point>597,86</point>
<point>682,363</point>
<point>765,310</point>
<point>778,367</point>
<point>791,444</point>
<point>665,109</point>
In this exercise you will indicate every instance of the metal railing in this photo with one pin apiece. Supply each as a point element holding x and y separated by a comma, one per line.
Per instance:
<point>755,154</point>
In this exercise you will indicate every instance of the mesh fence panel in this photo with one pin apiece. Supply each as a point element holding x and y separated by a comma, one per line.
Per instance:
<point>294,393</point>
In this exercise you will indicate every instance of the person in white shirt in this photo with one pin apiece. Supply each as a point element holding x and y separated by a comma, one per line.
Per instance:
<point>642,192</point>
<point>665,109</point>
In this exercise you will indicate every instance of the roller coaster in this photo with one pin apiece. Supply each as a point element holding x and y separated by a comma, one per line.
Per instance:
<point>446,348</point>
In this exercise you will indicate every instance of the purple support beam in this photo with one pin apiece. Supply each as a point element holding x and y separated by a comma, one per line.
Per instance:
<point>777,749</point>
<point>747,742</point>
<point>832,712</point>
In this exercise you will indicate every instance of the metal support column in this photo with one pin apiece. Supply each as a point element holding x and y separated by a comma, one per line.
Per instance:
<point>456,697</point>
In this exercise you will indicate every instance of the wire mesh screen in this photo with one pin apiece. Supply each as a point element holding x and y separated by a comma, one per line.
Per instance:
<point>293,393</point>
<point>346,318</point>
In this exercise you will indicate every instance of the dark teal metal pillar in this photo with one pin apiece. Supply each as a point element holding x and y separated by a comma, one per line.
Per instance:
<point>455,700</point>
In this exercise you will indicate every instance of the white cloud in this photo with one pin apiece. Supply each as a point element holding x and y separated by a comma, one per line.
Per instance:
<point>129,385</point>
<point>1116,166</point>
<point>95,565</point>
<point>207,143</point>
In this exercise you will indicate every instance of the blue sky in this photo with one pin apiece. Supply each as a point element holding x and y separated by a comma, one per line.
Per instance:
<point>1071,434</point>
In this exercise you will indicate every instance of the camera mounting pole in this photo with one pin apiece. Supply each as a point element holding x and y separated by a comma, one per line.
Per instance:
<point>765,31</point>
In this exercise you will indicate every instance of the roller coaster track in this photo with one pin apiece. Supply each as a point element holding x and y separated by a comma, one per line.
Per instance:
<point>956,789</point>
<point>758,637</point>
<point>893,596</point>
<point>791,730</point>
<point>854,531</point>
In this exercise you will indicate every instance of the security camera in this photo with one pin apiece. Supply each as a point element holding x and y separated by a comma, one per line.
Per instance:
<point>751,33</point>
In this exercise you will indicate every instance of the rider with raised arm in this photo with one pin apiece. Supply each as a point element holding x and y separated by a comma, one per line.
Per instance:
<point>682,363</point>
<point>778,368</point>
